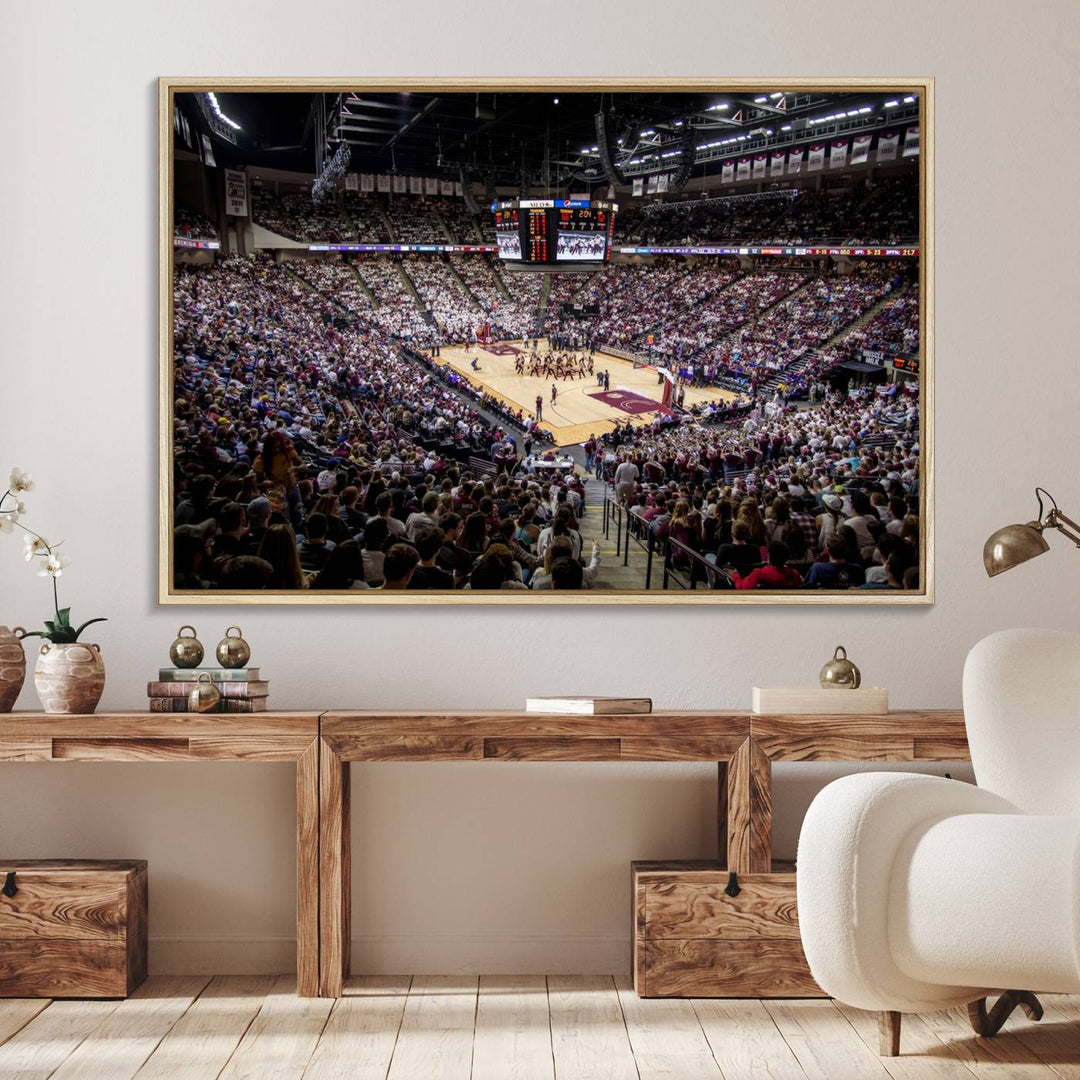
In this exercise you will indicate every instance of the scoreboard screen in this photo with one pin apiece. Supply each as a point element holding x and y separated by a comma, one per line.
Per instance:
<point>554,230</point>
<point>508,234</point>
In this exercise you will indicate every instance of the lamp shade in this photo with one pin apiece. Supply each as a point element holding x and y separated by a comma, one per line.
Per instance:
<point>1012,545</point>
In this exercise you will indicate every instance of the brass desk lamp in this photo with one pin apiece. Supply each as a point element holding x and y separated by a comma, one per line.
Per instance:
<point>1014,544</point>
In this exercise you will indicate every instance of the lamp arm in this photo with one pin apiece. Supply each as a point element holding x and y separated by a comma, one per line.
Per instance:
<point>1057,520</point>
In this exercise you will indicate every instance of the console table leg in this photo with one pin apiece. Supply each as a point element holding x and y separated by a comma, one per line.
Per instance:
<point>722,813</point>
<point>334,872</point>
<point>749,810</point>
<point>307,872</point>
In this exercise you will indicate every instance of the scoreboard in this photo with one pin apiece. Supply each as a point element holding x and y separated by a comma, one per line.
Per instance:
<point>554,230</point>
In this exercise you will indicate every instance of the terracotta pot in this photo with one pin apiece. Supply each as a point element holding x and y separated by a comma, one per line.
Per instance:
<point>12,666</point>
<point>69,678</point>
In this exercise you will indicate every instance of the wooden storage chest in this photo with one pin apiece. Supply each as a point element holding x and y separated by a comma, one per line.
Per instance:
<point>71,928</point>
<point>692,939</point>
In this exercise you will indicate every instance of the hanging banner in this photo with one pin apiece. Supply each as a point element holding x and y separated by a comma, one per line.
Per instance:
<point>727,173</point>
<point>639,186</point>
<point>838,154</point>
<point>611,191</point>
<point>887,143</point>
<point>208,152</point>
<point>236,200</point>
<point>416,185</point>
<point>759,166</point>
<point>399,184</point>
<point>661,184</point>
<point>431,185</point>
<point>794,161</point>
<point>352,182</point>
<point>367,181</point>
<point>776,164</point>
<point>815,160</point>
<point>860,149</point>
<point>650,187</point>
<point>446,187</point>
<point>911,141</point>
<point>382,181</point>
<point>742,170</point>
<point>458,189</point>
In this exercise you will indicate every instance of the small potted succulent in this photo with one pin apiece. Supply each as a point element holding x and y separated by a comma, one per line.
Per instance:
<point>69,674</point>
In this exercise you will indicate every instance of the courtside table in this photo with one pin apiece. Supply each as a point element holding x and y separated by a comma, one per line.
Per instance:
<point>239,737</point>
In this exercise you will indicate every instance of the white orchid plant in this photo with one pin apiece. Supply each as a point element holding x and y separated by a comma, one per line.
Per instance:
<point>51,563</point>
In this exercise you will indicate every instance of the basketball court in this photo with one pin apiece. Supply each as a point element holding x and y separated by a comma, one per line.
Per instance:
<point>583,407</point>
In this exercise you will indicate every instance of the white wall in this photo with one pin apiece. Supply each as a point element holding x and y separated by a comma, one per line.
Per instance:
<point>493,867</point>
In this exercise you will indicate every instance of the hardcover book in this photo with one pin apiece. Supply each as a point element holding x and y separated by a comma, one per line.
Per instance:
<point>229,705</point>
<point>226,689</point>
<point>588,706</point>
<point>189,674</point>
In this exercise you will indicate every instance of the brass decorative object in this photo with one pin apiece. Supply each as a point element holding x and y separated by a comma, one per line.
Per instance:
<point>186,652</point>
<point>12,666</point>
<point>1015,544</point>
<point>233,652</point>
<point>840,673</point>
<point>204,696</point>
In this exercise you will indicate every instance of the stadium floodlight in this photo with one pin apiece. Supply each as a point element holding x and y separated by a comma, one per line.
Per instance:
<point>760,100</point>
<point>776,95</point>
<point>786,127</point>
<point>212,98</point>
<point>718,108</point>
<point>909,100</point>
<point>891,104</point>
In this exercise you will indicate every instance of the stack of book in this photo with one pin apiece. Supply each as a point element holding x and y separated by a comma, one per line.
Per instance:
<point>241,689</point>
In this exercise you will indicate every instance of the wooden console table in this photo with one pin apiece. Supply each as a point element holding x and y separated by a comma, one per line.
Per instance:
<point>742,744</point>
<point>260,737</point>
<point>323,745</point>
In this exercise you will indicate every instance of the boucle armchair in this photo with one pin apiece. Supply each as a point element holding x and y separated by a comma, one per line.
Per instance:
<point>918,893</point>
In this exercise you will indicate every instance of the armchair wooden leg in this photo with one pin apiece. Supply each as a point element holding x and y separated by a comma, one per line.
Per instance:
<point>889,1033</point>
<point>988,1024</point>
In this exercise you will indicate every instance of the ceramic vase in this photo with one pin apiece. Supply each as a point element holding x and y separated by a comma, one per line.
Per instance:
<point>12,666</point>
<point>69,678</point>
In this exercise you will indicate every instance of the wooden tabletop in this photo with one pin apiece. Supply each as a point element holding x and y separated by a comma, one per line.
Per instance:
<point>151,736</point>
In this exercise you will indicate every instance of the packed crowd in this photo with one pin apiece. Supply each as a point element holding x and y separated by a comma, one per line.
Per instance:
<point>272,394</point>
<point>334,279</point>
<point>295,216</point>
<point>364,211</point>
<point>895,328</point>
<point>414,220</point>
<point>809,318</point>
<point>825,497</point>
<point>397,312</point>
<point>191,225</point>
<point>442,294</point>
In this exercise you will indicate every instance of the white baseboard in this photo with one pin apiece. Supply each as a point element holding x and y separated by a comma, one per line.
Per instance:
<point>430,954</point>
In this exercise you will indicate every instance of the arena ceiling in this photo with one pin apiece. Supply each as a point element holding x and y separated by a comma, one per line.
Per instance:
<point>541,138</point>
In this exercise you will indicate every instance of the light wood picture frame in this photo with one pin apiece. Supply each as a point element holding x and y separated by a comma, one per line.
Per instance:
<point>770,103</point>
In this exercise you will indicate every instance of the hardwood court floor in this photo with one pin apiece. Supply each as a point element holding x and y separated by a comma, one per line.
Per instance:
<point>576,415</point>
<point>524,1027</point>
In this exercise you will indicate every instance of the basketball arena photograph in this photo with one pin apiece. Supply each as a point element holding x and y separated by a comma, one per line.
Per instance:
<point>493,344</point>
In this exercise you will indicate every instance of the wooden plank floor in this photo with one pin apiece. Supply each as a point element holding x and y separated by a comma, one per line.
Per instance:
<point>523,1027</point>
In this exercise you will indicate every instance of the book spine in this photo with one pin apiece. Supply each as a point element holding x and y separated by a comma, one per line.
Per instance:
<point>237,705</point>
<point>226,689</point>
<point>216,674</point>
<point>169,704</point>
<point>227,705</point>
